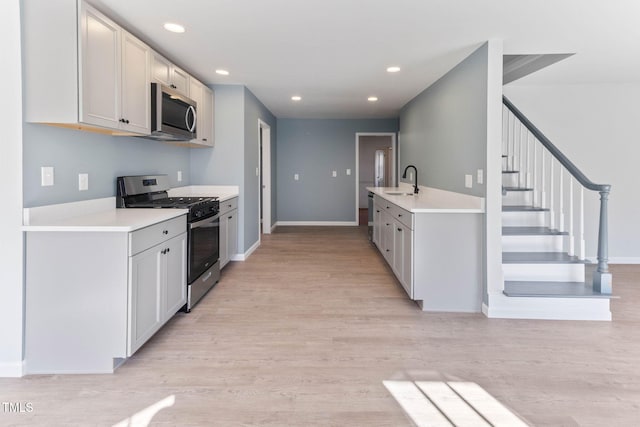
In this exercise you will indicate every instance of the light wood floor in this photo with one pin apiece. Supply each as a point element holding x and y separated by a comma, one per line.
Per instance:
<point>304,332</point>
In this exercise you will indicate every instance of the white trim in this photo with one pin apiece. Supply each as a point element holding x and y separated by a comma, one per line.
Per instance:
<point>394,161</point>
<point>319,223</point>
<point>247,254</point>
<point>273,227</point>
<point>265,173</point>
<point>12,370</point>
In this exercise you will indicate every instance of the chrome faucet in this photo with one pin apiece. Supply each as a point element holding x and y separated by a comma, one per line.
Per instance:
<point>415,185</point>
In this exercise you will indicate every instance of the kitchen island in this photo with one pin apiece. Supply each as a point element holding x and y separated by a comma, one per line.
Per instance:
<point>433,243</point>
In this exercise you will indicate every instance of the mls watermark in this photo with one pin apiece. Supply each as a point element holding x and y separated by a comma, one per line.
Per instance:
<point>16,407</point>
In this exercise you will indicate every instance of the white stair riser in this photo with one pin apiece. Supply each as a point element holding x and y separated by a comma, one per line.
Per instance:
<point>505,307</point>
<point>517,198</point>
<point>544,272</point>
<point>532,243</point>
<point>510,179</point>
<point>523,219</point>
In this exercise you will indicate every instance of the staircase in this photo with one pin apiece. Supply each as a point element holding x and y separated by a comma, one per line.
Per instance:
<point>546,273</point>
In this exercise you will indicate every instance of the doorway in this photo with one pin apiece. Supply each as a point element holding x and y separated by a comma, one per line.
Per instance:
<point>368,147</point>
<point>264,181</point>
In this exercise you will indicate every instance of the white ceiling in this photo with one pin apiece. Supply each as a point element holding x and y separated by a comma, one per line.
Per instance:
<point>334,53</point>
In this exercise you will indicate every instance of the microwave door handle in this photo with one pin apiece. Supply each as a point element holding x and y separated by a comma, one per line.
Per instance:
<point>186,118</point>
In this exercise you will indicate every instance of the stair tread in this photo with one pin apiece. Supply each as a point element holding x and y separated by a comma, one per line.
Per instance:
<point>531,231</point>
<point>540,258</point>
<point>551,290</point>
<point>523,208</point>
<point>517,189</point>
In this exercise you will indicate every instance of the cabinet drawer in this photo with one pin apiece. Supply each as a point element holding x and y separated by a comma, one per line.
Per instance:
<point>403,216</point>
<point>147,237</point>
<point>228,205</point>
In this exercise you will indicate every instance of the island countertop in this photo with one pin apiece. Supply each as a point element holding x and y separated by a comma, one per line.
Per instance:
<point>430,200</point>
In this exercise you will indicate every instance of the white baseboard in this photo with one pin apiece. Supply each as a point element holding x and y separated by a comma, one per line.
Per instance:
<point>247,254</point>
<point>318,223</point>
<point>12,370</point>
<point>503,307</point>
<point>273,227</point>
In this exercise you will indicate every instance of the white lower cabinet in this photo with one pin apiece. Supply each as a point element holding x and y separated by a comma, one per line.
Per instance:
<point>228,230</point>
<point>436,256</point>
<point>94,297</point>
<point>157,288</point>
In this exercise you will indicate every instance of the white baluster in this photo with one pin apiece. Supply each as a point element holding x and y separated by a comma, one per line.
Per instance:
<point>527,170</point>
<point>523,172</point>
<point>552,214</point>
<point>511,121</point>
<point>543,190</point>
<point>560,199</point>
<point>516,147</point>
<point>582,253</point>
<point>536,192</point>
<point>572,247</point>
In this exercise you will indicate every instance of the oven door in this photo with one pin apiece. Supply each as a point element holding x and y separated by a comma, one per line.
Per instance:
<point>204,246</point>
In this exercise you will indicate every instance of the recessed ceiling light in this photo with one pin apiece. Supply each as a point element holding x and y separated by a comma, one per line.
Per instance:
<point>393,69</point>
<point>174,28</point>
<point>222,72</point>
<point>296,98</point>
<point>372,98</point>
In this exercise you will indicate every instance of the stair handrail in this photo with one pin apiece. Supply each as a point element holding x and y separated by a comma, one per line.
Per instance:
<point>568,164</point>
<point>602,276</point>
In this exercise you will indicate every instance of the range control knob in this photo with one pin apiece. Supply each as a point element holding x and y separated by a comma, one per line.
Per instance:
<point>197,213</point>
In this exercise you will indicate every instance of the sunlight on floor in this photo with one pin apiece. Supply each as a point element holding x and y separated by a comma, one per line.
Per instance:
<point>447,404</point>
<point>143,418</point>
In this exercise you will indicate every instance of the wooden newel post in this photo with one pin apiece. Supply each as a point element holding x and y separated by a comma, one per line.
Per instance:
<point>601,277</point>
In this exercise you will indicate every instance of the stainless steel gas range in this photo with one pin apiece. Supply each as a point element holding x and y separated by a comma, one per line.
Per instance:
<point>203,224</point>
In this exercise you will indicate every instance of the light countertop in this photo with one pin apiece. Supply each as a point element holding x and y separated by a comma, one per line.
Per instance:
<point>430,200</point>
<point>98,215</point>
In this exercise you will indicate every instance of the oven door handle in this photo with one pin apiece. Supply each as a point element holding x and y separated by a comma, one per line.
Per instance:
<point>197,224</point>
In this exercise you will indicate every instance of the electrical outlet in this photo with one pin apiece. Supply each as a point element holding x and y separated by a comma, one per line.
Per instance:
<point>296,177</point>
<point>83,181</point>
<point>468,181</point>
<point>334,173</point>
<point>179,176</point>
<point>480,177</point>
<point>348,171</point>
<point>46,176</point>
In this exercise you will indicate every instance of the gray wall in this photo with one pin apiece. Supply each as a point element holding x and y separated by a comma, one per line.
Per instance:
<point>596,127</point>
<point>234,158</point>
<point>103,157</point>
<point>443,130</point>
<point>254,110</point>
<point>313,149</point>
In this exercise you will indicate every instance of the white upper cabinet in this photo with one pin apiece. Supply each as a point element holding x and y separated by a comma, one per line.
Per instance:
<point>170,75</point>
<point>204,125</point>
<point>84,71</point>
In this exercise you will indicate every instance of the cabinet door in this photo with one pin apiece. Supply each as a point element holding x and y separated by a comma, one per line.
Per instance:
<point>387,237</point>
<point>407,261</point>
<point>224,237</point>
<point>377,225</point>
<point>100,69</point>
<point>195,93</point>
<point>180,80</point>
<point>210,108</point>
<point>175,258</point>
<point>161,70</point>
<point>136,91</point>
<point>145,287</point>
<point>205,117</point>
<point>232,233</point>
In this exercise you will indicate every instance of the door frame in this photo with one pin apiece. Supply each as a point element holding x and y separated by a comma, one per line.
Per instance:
<point>264,167</point>
<point>394,157</point>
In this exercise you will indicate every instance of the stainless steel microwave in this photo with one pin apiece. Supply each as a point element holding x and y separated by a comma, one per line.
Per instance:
<point>173,115</point>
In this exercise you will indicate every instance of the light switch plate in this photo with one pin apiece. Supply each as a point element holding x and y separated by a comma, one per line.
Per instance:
<point>334,173</point>
<point>468,181</point>
<point>83,181</point>
<point>296,177</point>
<point>179,176</point>
<point>480,177</point>
<point>348,171</point>
<point>46,176</point>
<point>410,176</point>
